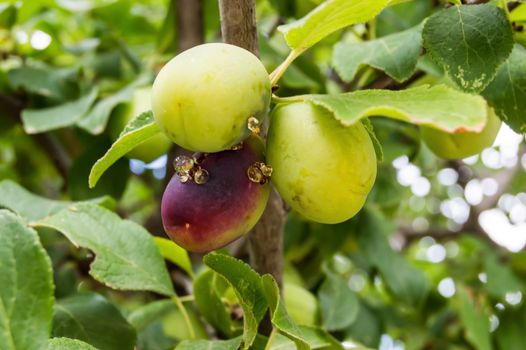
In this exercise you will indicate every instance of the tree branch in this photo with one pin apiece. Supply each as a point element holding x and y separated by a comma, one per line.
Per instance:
<point>238,26</point>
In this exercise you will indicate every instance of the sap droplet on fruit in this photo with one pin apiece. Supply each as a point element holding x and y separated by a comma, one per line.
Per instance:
<point>183,164</point>
<point>253,125</point>
<point>259,172</point>
<point>265,169</point>
<point>201,176</point>
<point>184,178</point>
<point>237,147</point>
<point>254,174</point>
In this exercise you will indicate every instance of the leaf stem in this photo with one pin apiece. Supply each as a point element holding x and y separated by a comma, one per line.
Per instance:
<point>186,318</point>
<point>278,72</point>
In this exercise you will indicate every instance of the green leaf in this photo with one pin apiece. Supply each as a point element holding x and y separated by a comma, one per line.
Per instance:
<point>45,82</point>
<point>470,43</point>
<point>248,288</point>
<point>474,319</point>
<point>407,283</point>
<point>439,106</point>
<point>338,303</point>
<point>146,314</point>
<point>507,93</point>
<point>67,114</point>
<point>91,318</point>
<point>136,132</point>
<point>396,55</point>
<point>26,293</point>
<point>328,18</point>
<point>208,300</point>
<point>316,337</point>
<point>126,256</point>
<point>68,344</point>
<point>501,279</point>
<point>510,334</point>
<point>32,207</point>
<point>279,316</point>
<point>232,344</point>
<point>96,119</point>
<point>172,252</point>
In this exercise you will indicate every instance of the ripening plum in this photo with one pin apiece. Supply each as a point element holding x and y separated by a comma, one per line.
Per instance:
<point>465,144</point>
<point>203,98</point>
<point>150,149</point>
<point>216,202</point>
<point>321,168</point>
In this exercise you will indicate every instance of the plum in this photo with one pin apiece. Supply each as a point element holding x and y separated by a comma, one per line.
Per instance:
<point>463,144</point>
<point>152,148</point>
<point>219,198</point>
<point>322,169</point>
<point>204,97</point>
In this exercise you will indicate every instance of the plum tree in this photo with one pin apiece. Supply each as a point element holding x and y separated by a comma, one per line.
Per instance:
<point>204,97</point>
<point>464,144</point>
<point>322,169</point>
<point>150,149</point>
<point>218,199</point>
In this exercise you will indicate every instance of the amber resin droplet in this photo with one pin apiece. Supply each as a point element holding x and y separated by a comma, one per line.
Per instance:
<point>201,176</point>
<point>253,125</point>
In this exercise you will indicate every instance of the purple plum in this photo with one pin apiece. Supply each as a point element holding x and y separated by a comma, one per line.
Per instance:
<point>217,202</point>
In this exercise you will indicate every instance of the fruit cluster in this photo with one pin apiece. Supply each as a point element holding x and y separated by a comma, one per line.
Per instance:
<point>212,100</point>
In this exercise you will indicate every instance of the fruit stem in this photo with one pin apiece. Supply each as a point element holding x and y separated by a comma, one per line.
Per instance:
<point>278,72</point>
<point>186,318</point>
<point>291,99</point>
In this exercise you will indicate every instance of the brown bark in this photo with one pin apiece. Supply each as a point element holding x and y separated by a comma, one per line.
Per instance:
<point>238,24</point>
<point>190,30</point>
<point>238,27</point>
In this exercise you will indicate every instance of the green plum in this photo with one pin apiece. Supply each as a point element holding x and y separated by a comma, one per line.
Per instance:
<point>203,98</point>
<point>322,169</point>
<point>150,149</point>
<point>462,144</point>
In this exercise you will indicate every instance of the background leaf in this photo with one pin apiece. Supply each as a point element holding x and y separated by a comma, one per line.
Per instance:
<point>396,55</point>
<point>279,316</point>
<point>26,293</point>
<point>32,207</point>
<point>122,248</point>
<point>247,286</point>
<point>173,253</point>
<point>470,43</point>
<point>67,114</point>
<point>68,344</point>
<point>91,318</point>
<point>232,344</point>
<point>474,319</point>
<point>207,293</point>
<point>338,303</point>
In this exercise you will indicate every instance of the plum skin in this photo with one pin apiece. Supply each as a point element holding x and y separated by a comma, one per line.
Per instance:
<point>205,217</point>
<point>203,97</point>
<point>322,169</point>
<point>462,145</point>
<point>150,149</point>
